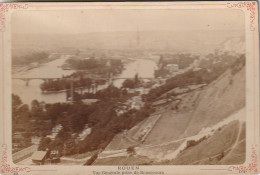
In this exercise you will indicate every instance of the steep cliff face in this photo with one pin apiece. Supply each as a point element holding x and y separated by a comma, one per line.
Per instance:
<point>219,100</point>
<point>201,108</point>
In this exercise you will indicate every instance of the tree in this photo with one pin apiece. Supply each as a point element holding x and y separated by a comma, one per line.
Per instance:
<point>161,60</point>
<point>70,147</point>
<point>45,143</point>
<point>37,110</point>
<point>16,101</point>
<point>128,83</point>
<point>136,79</point>
<point>58,144</point>
<point>222,154</point>
<point>35,105</point>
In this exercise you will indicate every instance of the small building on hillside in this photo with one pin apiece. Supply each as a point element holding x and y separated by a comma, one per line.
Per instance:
<point>89,101</point>
<point>18,141</point>
<point>35,140</point>
<point>57,128</point>
<point>39,157</point>
<point>54,132</point>
<point>86,131</point>
<point>17,137</point>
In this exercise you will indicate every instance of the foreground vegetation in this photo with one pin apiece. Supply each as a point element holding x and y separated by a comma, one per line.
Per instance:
<point>101,117</point>
<point>98,66</point>
<point>65,84</point>
<point>208,72</point>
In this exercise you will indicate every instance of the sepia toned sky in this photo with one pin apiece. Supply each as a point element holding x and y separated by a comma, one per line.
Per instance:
<point>85,21</point>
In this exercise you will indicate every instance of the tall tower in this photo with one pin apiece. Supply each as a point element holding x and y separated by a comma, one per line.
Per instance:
<point>138,38</point>
<point>71,89</point>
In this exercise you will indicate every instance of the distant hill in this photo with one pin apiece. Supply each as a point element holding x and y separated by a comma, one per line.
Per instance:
<point>179,41</point>
<point>235,45</point>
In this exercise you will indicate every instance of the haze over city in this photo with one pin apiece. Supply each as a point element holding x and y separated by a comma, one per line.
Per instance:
<point>86,21</point>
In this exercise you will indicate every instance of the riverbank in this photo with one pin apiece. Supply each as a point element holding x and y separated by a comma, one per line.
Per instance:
<point>24,68</point>
<point>52,69</point>
<point>65,90</point>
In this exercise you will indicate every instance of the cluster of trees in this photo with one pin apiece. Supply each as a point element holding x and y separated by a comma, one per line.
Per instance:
<point>204,75</point>
<point>131,83</point>
<point>238,64</point>
<point>38,120</point>
<point>55,85</point>
<point>106,125</point>
<point>182,60</point>
<point>191,143</point>
<point>80,79</point>
<point>109,93</point>
<point>40,123</point>
<point>101,117</point>
<point>83,63</point>
<point>20,122</point>
<point>131,150</point>
<point>101,66</point>
<point>38,57</point>
<point>187,78</point>
<point>65,83</point>
<point>161,72</point>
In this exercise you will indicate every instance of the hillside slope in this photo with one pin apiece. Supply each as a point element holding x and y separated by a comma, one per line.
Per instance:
<point>208,106</point>
<point>208,117</point>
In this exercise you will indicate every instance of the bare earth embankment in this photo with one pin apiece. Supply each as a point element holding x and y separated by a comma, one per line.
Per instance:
<point>207,127</point>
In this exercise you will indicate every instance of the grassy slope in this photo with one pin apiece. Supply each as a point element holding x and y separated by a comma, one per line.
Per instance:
<point>237,156</point>
<point>207,107</point>
<point>215,102</point>
<point>220,100</point>
<point>172,124</point>
<point>209,151</point>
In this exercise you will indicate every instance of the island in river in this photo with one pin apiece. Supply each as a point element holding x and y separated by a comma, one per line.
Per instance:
<point>132,65</point>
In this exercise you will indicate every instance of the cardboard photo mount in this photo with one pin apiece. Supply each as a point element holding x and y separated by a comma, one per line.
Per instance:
<point>252,162</point>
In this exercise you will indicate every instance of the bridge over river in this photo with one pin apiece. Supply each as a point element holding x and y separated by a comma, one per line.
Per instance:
<point>109,79</point>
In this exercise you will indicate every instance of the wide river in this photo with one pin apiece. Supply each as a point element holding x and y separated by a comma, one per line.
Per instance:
<point>144,68</point>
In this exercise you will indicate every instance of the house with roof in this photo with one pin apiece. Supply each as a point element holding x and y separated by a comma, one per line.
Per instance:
<point>39,157</point>
<point>35,140</point>
<point>54,132</point>
<point>89,101</point>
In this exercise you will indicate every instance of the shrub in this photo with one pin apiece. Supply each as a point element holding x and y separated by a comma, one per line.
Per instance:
<point>130,150</point>
<point>191,143</point>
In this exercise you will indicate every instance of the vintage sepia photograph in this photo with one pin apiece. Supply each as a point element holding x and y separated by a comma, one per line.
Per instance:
<point>128,87</point>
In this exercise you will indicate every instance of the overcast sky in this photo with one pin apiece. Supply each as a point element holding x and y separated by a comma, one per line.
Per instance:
<point>85,21</point>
